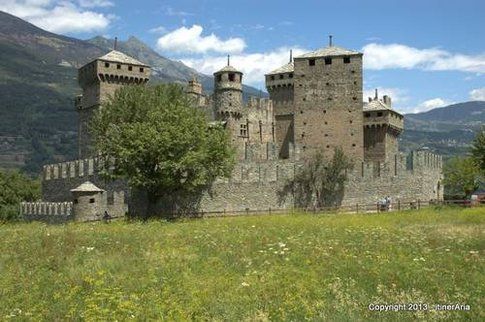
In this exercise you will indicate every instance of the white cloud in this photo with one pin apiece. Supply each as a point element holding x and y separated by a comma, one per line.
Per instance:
<point>377,56</point>
<point>95,3</point>
<point>478,94</point>
<point>158,30</point>
<point>431,104</point>
<point>253,65</point>
<point>190,40</point>
<point>59,16</point>
<point>169,11</point>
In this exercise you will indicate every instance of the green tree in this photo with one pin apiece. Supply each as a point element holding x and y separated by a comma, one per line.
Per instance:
<point>460,177</point>
<point>478,150</point>
<point>321,181</point>
<point>16,187</point>
<point>160,143</point>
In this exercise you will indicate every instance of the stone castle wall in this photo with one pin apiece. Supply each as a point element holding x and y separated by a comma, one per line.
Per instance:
<point>259,185</point>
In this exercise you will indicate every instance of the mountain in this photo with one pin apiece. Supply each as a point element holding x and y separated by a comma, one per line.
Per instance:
<point>38,81</point>
<point>446,130</point>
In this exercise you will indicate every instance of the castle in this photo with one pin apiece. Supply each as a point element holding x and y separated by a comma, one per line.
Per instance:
<point>315,104</point>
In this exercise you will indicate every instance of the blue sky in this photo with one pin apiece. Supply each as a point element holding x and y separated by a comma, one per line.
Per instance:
<point>425,54</point>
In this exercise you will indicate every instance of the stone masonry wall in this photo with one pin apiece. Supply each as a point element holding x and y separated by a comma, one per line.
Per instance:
<point>259,185</point>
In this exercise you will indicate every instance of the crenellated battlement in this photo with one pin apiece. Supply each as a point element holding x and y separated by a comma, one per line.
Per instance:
<point>424,160</point>
<point>260,103</point>
<point>46,209</point>
<point>71,169</point>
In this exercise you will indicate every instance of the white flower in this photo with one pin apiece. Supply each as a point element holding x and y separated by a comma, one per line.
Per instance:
<point>245,284</point>
<point>281,244</point>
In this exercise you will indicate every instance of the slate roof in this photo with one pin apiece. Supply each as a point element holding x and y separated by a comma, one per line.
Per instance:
<point>118,57</point>
<point>378,105</point>
<point>329,51</point>
<point>228,68</point>
<point>288,68</point>
<point>87,187</point>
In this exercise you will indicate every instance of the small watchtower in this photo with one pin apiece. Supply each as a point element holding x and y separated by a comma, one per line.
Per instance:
<point>89,202</point>
<point>382,127</point>
<point>99,81</point>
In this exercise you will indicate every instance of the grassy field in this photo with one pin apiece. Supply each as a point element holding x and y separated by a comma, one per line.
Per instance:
<point>283,267</point>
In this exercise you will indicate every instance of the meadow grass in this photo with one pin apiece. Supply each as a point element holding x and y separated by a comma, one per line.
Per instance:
<point>274,267</point>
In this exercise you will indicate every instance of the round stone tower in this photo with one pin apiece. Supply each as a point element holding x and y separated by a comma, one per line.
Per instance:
<point>89,202</point>
<point>227,91</point>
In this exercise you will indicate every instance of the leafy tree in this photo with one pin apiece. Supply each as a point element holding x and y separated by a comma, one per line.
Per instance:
<point>159,142</point>
<point>460,177</point>
<point>478,150</point>
<point>320,182</point>
<point>16,187</point>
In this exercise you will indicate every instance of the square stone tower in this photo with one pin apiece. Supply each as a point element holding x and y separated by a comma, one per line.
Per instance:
<point>382,127</point>
<point>99,81</point>
<point>280,86</point>
<point>328,102</point>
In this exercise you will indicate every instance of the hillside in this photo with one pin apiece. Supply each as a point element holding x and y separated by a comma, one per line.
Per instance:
<point>38,81</point>
<point>446,130</point>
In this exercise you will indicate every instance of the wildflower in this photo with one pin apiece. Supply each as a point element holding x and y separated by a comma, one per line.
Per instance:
<point>281,245</point>
<point>447,250</point>
<point>253,226</point>
<point>245,284</point>
<point>473,252</point>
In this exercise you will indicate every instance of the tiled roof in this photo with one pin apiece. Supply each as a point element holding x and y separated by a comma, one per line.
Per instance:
<point>87,187</point>
<point>119,57</point>
<point>288,68</point>
<point>329,51</point>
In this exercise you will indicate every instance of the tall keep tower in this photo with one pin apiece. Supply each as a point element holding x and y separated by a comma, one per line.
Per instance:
<point>328,102</point>
<point>99,80</point>
<point>228,102</point>
<point>382,126</point>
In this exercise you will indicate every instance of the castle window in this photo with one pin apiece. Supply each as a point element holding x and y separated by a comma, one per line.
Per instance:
<point>352,71</point>
<point>351,134</point>
<point>326,122</point>
<point>379,113</point>
<point>91,200</point>
<point>346,60</point>
<point>324,111</point>
<point>328,61</point>
<point>328,84</point>
<point>118,66</point>
<point>130,68</point>
<point>141,69</point>
<point>243,130</point>
<point>272,77</point>
<point>106,65</point>
<point>367,114</point>
<point>76,201</point>
<point>355,83</point>
<point>301,112</point>
<point>350,121</point>
<point>326,134</point>
<point>311,62</point>
<point>282,76</point>
<point>290,75</point>
<point>328,146</point>
<point>232,77</point>
<point>354,98</point>
<point>353,144</point>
